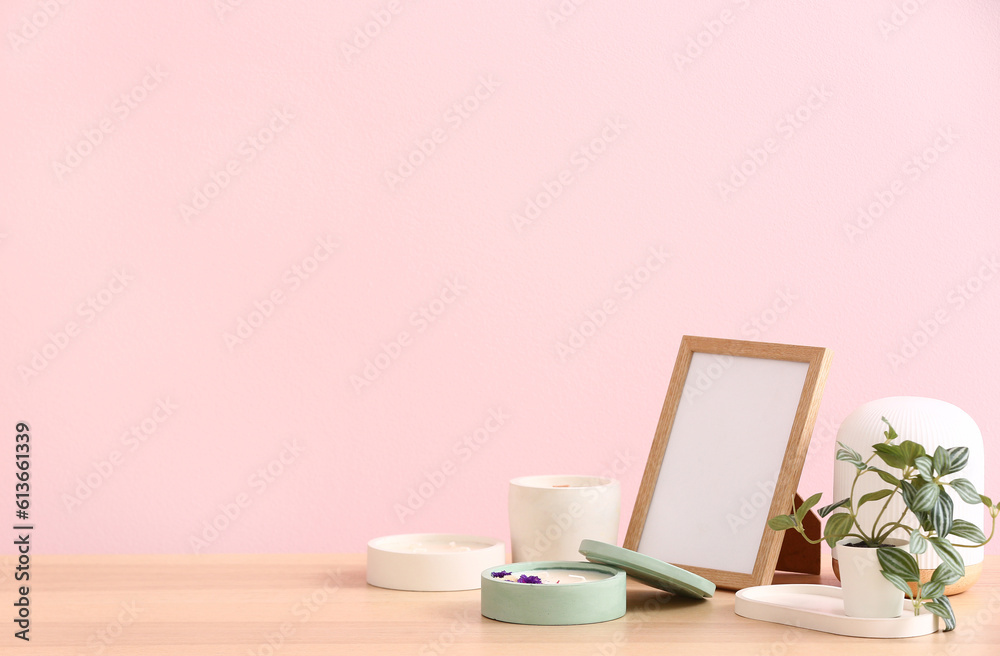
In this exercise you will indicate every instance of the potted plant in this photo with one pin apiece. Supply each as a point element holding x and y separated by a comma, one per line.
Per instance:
<point>877,570</point>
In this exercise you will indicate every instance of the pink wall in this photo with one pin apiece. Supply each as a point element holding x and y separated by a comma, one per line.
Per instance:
<point>314,221</point>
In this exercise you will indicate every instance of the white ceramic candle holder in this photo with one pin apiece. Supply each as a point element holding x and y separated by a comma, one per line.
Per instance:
<point>551,515</point>
<point>431,562</point>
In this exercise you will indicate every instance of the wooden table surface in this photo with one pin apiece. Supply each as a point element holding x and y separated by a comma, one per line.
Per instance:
<point>320,604</point>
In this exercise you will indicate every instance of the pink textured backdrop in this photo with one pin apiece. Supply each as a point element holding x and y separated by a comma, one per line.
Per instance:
<point>172,170</point>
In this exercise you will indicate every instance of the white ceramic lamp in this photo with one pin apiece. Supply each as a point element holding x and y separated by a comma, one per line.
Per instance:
<point>928,422</point>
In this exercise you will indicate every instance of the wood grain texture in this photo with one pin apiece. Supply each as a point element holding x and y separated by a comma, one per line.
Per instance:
<point>231,605</point>
<point>818,360</point>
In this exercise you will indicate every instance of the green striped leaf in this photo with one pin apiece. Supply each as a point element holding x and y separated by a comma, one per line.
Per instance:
<point>959,458</point>
<point>942,608</point>
<point>942,461</point>
<point>966,490</point>
<point>942,514</point>
<point>898,581</point>
<point>826,510</point>
<point>925,497</point>
<point>931,589</point>
<point>948,554</point>
<point>946,575</point>
<point>925,466</point>
<point>968,531</point>
<point>899,562</point>
<point>918,544</point>
<point>847,454</point>
<point>891,433</point>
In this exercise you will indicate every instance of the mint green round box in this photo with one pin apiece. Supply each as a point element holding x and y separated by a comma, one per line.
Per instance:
<point>551,604</point>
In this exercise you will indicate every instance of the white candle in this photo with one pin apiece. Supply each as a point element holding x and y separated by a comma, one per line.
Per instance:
<point>560,576</point>
<point>435,547</point>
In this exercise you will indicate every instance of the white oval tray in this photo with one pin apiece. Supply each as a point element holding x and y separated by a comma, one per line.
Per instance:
<point>821,608</point>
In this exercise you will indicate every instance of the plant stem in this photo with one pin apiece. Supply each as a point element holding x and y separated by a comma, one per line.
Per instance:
<point>884,533</point>
<point>857,476</point>
<point>811,541</point>
<point>875,528</point>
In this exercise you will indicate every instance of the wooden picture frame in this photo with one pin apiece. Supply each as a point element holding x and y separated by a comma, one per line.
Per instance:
<point>727,454</point>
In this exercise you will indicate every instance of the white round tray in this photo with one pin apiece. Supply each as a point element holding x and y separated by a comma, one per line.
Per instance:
<point>394,563</point>
<point>821,608</point>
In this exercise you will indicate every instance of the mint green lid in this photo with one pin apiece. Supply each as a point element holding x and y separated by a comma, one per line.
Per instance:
<point>649,570</point>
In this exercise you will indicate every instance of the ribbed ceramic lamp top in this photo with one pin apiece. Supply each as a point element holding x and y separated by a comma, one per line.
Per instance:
<point>929,422</point>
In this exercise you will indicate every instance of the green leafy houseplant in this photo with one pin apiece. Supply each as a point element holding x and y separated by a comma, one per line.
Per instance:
<point>918,479</point>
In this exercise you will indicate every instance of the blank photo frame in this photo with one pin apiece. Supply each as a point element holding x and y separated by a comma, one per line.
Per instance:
<point>727,455</point>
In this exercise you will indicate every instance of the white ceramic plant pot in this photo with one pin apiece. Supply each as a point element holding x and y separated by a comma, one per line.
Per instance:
<point>866,592</point>
<point>551,515</point>
<point>930,423</point>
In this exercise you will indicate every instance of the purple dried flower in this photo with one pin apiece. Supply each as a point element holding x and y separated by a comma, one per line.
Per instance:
<point>529,579</point>
<point>502,573</point>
